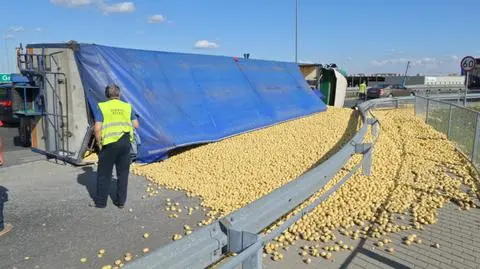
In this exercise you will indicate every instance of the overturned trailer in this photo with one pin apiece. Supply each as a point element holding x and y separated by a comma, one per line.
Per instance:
<point>181,99</point>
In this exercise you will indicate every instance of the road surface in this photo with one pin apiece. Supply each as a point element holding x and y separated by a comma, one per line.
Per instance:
<point>54,227</point>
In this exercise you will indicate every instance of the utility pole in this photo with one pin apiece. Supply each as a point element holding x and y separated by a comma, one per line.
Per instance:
<point>406,71</point>
<point>7,62</point>
<point>296,31</point>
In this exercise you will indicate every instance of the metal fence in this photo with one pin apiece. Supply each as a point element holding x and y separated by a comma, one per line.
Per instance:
<point>460,124</point>
<point>241,231</point>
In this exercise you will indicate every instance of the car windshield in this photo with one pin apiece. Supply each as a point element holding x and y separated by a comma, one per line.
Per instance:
<point>381,85</point>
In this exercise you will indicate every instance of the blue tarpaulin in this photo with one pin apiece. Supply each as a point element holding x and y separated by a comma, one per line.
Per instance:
<point>185,99</point>
<point>318,93</point>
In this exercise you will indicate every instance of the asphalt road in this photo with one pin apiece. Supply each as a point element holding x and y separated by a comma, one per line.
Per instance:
<point>54,227</point>
<point>14,153</point>
<point>9,134</point>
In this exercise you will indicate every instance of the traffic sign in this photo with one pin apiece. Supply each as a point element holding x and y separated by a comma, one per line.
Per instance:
<point>467,63</point>
<point>5,78</point>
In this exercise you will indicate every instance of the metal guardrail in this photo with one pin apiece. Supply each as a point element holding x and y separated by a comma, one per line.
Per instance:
<point>421,89</point>
<point>241,231</point>
<point>460,124</point>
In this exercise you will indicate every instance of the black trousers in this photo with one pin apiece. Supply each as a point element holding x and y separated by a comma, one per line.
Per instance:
<point>117,154</point>
<point>2,224</point>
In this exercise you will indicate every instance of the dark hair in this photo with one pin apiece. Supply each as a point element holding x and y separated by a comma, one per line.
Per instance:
<point>112,91</point>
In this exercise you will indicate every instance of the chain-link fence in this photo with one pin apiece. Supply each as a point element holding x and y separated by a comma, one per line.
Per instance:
<point>460,124</point>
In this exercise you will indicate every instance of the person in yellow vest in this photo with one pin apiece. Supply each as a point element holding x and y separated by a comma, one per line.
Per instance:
<point>362,90</point>
<point>114,124</point>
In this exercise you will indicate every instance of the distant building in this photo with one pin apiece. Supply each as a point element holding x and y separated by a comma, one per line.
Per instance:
<point>310,73</point>
<point>444,80</point>
<point>392,78</point>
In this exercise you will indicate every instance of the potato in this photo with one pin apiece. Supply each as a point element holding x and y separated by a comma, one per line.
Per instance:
<point>176,237</point>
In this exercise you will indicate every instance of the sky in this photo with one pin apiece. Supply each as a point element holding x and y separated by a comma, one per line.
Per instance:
<point>360,36</point>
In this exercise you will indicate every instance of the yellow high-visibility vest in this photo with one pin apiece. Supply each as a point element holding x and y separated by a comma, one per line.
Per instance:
<point>116,120</point>
<point>362,88</point>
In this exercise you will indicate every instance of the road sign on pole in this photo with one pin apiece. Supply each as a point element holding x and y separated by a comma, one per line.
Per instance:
<point>5,77</point>
<point>467,64</point>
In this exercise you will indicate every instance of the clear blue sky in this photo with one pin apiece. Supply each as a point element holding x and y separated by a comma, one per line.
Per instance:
<point>361,36</point>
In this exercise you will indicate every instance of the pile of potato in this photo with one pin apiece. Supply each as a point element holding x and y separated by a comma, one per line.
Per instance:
<point>231,173</point>
<point>416,170</point>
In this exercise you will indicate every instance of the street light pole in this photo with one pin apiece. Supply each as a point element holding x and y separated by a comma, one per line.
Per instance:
<point>296,31</point>
<point>7,62</point>
<point>6,54</point>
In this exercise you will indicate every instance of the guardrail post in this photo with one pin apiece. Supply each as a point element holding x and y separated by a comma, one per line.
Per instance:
<point>396,103</point>
<point>366,150</point>
<point>449,121</point>
<point>375,126</point>
<point>426,111</point>
<point>255,261</point>
<point>415,105</point>
<point>239,241</point>
<point>475,139</point>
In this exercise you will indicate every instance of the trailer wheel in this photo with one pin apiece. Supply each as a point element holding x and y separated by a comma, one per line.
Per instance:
<point>25,132</point>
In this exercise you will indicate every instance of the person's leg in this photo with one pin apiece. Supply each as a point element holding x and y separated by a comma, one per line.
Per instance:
<point>122,164</point>
<point>2,224</point>
<point>4,227</point>
<point>106,159</point>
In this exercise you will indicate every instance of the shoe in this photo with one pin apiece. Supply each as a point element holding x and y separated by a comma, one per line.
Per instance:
<point>121,206</point>
<point>8,227</point>
<point>93,204</point>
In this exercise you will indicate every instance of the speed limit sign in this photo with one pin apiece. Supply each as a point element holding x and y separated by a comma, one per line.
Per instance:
<point>467,63</point>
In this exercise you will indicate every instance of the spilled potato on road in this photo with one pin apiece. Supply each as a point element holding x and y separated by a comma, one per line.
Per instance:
<point>416,170</point>
<point>229,174</point>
